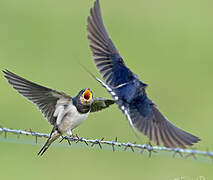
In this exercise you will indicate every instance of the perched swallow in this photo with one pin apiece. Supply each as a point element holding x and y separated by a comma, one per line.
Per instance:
<point>62,111</point>
<point>128,90</point>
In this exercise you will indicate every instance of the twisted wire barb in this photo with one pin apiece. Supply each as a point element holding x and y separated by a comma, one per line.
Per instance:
<point>133,146</point>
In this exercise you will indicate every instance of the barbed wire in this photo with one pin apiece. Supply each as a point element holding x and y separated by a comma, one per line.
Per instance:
<point>185,153</point>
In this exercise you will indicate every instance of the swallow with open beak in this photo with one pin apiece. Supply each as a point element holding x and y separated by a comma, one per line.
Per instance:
<point>62,111</point>
<point>128,91</point>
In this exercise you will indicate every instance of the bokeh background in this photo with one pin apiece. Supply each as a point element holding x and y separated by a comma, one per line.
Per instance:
<point>168,44</point>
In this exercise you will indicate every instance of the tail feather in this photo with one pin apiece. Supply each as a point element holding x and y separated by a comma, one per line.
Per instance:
<point>53,136</point>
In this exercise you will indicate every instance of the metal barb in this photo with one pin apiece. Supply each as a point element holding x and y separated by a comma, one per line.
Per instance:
<point>177,152</point>
<point>79,140</point>
<point>116,140</point>
<point>85,142</point>
<point>26,131</point>
<point>130,146</point>
<point>113,147</point>
<point>100,142</point>
<point>68,140</point>
<point>113,143</point>
<point>97,141</point>
<point>62,138</point>
<point>5,134</point>
<point>192,154</point>
<point>150,149</point>
<point>36,139</point>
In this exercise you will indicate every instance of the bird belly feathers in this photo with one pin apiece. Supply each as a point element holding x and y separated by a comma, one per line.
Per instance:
<point>69,118</point>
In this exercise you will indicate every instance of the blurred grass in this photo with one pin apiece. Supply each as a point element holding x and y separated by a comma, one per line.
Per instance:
<point>167,43</point>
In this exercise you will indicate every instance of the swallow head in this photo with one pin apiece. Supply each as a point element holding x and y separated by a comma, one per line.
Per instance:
<point>86,96</point>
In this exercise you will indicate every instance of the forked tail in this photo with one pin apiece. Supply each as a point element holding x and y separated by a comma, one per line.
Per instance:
<point>53,136</point>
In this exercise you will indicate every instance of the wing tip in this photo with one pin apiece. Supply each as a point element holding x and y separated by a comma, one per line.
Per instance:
<point>161,131</point>
<point>8,75</point>
<point>6,72</point>
<point>179,138</point>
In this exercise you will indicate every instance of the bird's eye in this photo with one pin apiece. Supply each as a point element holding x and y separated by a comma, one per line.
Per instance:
<point>87,95</point>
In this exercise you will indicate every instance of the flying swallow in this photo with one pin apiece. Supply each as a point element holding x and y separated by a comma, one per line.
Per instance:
<point>128,91</point>
<point>62,111</point>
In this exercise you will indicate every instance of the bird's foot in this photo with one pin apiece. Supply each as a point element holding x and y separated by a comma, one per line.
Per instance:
<point>74,137</point>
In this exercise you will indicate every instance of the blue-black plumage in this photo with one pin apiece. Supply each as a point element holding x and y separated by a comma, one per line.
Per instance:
<point>128,91</point>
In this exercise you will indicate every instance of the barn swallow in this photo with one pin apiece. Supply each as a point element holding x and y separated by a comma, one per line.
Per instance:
<point>62,111</point>
<point>128,91</point>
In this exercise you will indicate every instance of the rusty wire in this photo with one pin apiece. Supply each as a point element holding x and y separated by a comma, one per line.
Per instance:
<point>185,153</point>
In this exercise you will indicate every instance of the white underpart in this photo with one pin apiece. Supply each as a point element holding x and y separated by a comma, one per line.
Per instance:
<point>68,118</point>
<point>128,118</point>
<point>122,107</point>
<point>113,93</point>
<point>59,114</point>
<point>108,89</point>
<point>69,132</point>
<point>116,98</point>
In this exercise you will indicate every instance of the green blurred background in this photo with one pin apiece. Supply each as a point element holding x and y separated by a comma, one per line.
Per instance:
<point>167,43</point>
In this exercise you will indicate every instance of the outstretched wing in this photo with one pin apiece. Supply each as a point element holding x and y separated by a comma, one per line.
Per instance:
<point>100,103</point>
<point>144,116</point>
<point>45,99</point>
<point>106,57</point>
<point>148,119</point>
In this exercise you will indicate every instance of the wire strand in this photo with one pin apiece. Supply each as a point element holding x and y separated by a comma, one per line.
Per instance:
<point>132,146</point>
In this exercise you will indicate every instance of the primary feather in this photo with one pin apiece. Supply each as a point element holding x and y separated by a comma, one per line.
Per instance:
<point>44,98</point>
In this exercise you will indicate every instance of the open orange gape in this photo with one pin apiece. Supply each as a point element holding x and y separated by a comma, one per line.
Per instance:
<point>87,95</point>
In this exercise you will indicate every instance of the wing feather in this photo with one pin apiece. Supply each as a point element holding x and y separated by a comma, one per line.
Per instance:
<point>156,127</point>
<point>105,52</point>
<point>44,98</point>
<point>100,103</point>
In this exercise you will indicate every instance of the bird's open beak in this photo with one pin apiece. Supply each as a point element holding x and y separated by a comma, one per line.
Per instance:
<point>87,95</point>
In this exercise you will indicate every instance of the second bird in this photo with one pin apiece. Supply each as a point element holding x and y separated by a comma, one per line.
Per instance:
<point>62,111</point>
<point>128,91</point>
